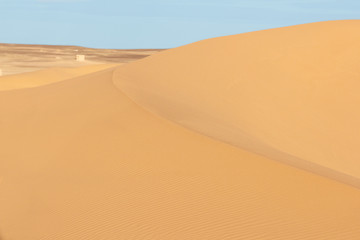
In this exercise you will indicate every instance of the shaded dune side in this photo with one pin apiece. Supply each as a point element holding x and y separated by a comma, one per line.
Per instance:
<point>80,160</point>
<point>48,76</point>
<point>290,94</point>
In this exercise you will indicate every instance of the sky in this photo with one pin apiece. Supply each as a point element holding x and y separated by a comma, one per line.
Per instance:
<point>155,23</point>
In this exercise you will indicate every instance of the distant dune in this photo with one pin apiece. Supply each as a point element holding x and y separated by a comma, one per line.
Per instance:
<point>190,143</point>
<point>47,76</point>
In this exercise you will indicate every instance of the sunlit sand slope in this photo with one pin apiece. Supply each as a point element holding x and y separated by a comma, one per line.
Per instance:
<point>80,160</point>
<point>290,94</point>
<point>47,76</point>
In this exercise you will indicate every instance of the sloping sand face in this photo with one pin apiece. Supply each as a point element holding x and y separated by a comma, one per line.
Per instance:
<point>289,94</point>
<point>80,160</point>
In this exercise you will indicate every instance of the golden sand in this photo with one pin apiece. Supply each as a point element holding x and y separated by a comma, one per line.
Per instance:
<point>89,159</point>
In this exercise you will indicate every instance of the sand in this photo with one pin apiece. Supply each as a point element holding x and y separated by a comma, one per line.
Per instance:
<point>119,154</point>
<point>48,76</point>
<point>290,94</point>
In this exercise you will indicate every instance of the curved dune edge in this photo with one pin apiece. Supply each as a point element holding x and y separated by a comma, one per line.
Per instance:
<point>47,76</point>
<point>80,160</point>
<point>289,94</point>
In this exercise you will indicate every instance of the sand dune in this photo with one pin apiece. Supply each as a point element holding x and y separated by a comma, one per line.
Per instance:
<point>82,160</point>
<point>290,94</point>
<point>47,76</point>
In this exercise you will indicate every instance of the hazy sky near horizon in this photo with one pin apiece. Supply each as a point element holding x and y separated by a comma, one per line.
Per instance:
<point>155,23</point>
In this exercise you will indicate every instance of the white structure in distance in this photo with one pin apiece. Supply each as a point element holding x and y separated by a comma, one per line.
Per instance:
<point>80,58</point>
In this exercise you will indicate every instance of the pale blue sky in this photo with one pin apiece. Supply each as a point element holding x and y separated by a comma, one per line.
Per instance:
<point>155,23</point>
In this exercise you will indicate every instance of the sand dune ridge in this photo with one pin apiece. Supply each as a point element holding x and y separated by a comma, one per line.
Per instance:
<point>118,154</point>
<point>280,92</point>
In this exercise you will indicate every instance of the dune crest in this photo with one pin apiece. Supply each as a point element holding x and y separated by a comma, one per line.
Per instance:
<point>289,93</point>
